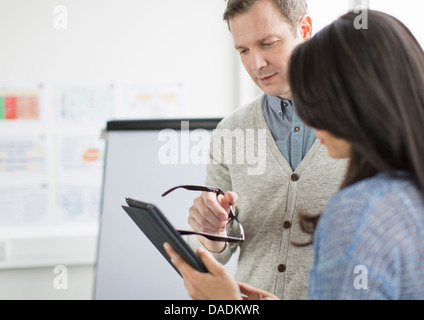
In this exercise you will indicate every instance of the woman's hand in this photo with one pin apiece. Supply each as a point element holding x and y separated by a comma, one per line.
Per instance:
<point>217,284</point>
<point>251,293</point>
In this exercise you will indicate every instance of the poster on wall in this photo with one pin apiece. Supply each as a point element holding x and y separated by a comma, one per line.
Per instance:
<point>156,100</point>
<point>85,103</point>
<point>80,153</point>
<point>79,169</point>
<point>24,203</point>
<point>23,154</point>
<point>79,202</point>
<point>21,102</point>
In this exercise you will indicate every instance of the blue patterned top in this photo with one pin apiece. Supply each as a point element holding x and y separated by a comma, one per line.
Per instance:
<point>369,243</point>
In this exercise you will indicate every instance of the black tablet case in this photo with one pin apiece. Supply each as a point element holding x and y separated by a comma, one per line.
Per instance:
<point>159,230</point>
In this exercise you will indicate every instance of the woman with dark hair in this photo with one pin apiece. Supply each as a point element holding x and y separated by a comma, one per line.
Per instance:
<point>363,92</point>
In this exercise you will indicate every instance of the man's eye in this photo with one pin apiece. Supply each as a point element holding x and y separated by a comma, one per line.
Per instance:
<point>244,51</point>
<point>269,44</point>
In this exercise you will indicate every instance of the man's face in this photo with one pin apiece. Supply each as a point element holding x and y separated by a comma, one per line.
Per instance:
<point>265,42</point>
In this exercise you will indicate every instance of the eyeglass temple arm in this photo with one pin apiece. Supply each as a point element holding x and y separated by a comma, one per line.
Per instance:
<point>195,188</point>
<point>212,236</point>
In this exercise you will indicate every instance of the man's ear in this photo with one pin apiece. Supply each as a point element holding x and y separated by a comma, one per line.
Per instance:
<point>305,27</point>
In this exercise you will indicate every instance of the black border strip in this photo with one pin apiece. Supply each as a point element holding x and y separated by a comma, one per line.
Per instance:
<point>159,124</point>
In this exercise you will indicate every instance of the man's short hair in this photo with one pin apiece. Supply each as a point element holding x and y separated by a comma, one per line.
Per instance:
<point>292,10</point>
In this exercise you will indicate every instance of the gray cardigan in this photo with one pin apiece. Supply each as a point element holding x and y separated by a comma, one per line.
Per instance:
<point>270,195</point>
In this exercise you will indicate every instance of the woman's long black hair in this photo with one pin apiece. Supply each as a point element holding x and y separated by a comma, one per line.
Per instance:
<point>365,86</point>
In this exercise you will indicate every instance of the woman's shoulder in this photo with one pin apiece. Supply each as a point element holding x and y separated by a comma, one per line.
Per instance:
<point>380,186</point>
<point>375,200</point>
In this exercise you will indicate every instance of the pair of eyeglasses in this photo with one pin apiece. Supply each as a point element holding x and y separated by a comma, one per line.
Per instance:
<point>234,229</point>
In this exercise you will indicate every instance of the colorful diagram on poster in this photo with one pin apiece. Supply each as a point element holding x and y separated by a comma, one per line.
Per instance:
<point>80,154</point>
<point>19,105</point>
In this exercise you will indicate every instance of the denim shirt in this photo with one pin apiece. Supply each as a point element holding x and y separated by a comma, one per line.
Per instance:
<point>292,136</point>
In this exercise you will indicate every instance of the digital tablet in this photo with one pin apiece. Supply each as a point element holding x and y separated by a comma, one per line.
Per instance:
<point>159,230</point>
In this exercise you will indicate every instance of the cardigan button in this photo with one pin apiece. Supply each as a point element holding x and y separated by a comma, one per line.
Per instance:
<point>294,177</point>
<point>281,267</point>
<point>287,224</point>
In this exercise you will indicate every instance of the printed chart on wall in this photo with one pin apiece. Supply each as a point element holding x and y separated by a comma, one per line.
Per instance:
<point>23,155</point>
<point>86,102</point>
<point>24,182</point>
<point>51,149</point>
<point>51,152</point>
<point>19,103</point>
<point>24,203</point>
<point>156,100</point>
<point>79,151</point>
<point>79,168</point>
<point>24,186</point>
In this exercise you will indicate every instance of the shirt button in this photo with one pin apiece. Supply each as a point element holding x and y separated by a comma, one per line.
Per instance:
<point>281,267</point>
<point>297,129</point>
<point>294,177</point>
<point>285,104</point>
<point>287,224</point>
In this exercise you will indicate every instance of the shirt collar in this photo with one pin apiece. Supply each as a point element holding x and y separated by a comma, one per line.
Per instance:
<point>274,103</point>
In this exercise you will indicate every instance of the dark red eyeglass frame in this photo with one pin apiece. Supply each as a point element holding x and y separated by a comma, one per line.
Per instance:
<point>231,217</point>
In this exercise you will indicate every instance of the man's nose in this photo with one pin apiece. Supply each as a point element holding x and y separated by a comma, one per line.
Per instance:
<point>257,61</point>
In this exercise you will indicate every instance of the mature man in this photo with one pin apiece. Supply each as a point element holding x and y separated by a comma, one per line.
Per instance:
<point>297,173</point>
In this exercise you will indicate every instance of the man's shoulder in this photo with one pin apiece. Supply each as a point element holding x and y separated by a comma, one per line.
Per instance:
<point>244,116</point>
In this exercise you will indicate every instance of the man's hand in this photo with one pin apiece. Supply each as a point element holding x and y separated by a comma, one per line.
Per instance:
<point>209,213</point>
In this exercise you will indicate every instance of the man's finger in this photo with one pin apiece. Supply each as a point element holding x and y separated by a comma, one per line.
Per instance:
<point>204,217</point>
<point>229,198</point>
<point>211,201</point>
<point>196,226</point>
<point>199,207</point>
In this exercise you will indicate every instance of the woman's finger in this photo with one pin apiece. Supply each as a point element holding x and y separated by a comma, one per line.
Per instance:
<point>182,266</point>
<point>212,265</point>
